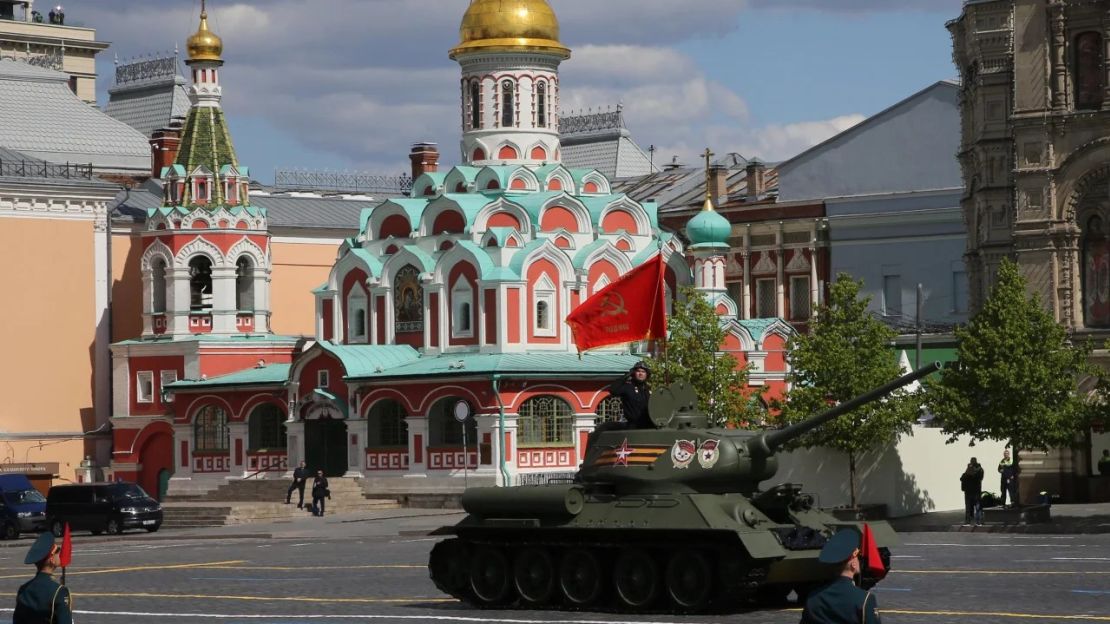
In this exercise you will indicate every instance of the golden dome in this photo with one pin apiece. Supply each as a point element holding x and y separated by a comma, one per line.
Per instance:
<point>204,45</point>
<point>510,25</point>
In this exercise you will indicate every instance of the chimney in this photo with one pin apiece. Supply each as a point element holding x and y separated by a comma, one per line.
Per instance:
<point>718,184</point>
<point>164,144</point>
<point>425,159</point>
<point>757,179</point>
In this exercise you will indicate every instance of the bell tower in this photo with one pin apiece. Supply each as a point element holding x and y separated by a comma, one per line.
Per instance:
<point>206,250</point>
<point>509,52</point>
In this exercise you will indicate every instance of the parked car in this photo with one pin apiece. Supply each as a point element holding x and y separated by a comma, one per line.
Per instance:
<point>101,507</point>
<point>22,507</point>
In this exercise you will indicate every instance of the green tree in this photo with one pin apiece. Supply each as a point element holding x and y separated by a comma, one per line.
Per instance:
<point>1017,374</point>
<point>694,339</point>
<point>847,353</point>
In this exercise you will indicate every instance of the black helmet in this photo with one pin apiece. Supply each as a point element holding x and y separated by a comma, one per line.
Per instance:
<point>640,365</point>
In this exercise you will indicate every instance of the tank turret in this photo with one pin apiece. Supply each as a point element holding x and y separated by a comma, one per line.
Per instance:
<point>666,517</point>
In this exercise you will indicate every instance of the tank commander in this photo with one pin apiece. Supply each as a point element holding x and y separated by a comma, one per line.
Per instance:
<point>839,601</point>
<point>42,599</point>
<point>634,392</point>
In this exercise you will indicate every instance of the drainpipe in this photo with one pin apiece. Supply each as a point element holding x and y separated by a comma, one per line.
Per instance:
<point>501,430</point>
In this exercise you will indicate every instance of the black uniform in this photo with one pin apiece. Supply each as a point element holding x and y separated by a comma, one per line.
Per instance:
<point>42,600</point>
<point>634,401</point>
<point>300,476</point>
<point>1008,473</point>
<point>840,602</point>
<point>319,493</point>
<point>1104,465</point>
<point>971,482</point>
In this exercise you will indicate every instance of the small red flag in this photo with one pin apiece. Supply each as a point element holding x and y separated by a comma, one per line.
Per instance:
<point>870,550</point>
<point>67,548</point>
<point>632,308</point>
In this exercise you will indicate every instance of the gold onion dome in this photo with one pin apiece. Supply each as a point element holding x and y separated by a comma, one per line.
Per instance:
<point>204,45</point>
<point>510,26</point>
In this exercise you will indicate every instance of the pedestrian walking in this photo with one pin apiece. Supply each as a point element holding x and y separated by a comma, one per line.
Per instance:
<point>971,482</point>
<point>300,476</point>
<point>1104,463</point>
<point>320,491</point>
<point>1008,473</point>
<point>839,601</point>
<point>42,600</point>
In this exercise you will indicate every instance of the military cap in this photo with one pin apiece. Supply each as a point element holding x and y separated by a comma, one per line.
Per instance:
<point>641,365</point>
<point>841,546</point>
<point>41,549</point>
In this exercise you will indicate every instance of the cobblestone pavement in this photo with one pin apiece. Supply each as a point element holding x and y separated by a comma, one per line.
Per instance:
<point>373,570</point>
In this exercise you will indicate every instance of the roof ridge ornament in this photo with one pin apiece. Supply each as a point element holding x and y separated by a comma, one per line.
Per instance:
<point>708,207</point>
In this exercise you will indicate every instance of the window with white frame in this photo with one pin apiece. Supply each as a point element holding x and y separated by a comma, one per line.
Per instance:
<point>144,387</point>
<point>766,296</point>
<point>508,104</point>
<point>201,189</point>
<point>475,105</point>
<point>231,190</point>
<point>166,378</point>
<point>462,309</point>
<point>322,380</point>
<point>799,298</point>
<point>541,104</point>
<point>543,321</point>
<point>356,317</point>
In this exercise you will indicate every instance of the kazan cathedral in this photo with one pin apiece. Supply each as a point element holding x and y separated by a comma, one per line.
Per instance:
<point>440,347</point>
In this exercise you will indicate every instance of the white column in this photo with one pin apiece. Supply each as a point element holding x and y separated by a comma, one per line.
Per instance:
<point>746,291</point>
<point>261,302</point>
<point>813,289</point>
<point>237,434</point>
<point>178,300</point>
<point>182,433</point>
<point>512,445</point>
<point>418,426</point>
<point>358,431</point>
<point>780,287</point>
<point>486,424</point>
<point>223,301</point>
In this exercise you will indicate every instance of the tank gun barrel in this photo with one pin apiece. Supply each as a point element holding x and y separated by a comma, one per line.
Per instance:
<point>767,443</point>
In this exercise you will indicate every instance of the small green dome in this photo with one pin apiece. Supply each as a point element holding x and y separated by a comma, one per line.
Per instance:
<point>709,227</point>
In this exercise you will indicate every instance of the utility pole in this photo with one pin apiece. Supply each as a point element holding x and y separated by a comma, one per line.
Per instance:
<point>917,323</point>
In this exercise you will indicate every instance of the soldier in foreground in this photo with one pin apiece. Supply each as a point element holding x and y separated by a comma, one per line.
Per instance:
<point>42,600</point>
<point>840,601</point>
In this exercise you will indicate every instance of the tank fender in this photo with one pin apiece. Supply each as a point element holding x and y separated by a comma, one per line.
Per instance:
<point>885,535</point>
<point>735,513</point>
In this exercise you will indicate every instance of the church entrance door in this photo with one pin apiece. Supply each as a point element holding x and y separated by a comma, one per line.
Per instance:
<point>325,447</point>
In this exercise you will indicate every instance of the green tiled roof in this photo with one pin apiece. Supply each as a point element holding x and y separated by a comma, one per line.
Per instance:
<point>579,260</point>
<point>427,263</point>
<point>274,374</point>
<point>486,267</point>
<point>367,360</point>
<point>205,141</point>
<point>511,364</point>
<point>757,327</point>
<point>372,262</point>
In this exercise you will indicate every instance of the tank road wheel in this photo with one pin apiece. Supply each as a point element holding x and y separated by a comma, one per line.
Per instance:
<point>490,574</point>
<point>448,565</point>
<point>534,574</point>
<point>580,577</point>
<point>689,578</point>
<point>636,578</point>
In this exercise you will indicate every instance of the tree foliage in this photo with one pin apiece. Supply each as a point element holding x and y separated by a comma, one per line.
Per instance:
<point>692,354</point>
<point>847,353</point>
<point>1017,374</point>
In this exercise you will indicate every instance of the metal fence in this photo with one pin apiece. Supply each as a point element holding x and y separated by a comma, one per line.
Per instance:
<point>342,182</point>
<point>41,169</point>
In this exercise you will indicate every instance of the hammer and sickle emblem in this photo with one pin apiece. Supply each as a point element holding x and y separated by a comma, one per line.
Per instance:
<point>613,305</point>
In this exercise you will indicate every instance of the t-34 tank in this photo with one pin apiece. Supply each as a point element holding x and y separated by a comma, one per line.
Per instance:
<point>670,518</point>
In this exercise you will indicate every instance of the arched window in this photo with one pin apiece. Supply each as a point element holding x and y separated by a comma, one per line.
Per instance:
<point>444,430</point>
<point>543,315</point>
<point>545,420</point>
<point>508,104</point>
<point>158,286</point>
<point>1096,274</point>
<point>210,433</point>
<point>541,105</point>
<point>244,284</point>
<point>387,424</point>
<point>475,106</point>
<point>610,409</point>
<point>408,300</point>
<point>1089,71</point>
<point>266,428</point>
<point>200,284</point>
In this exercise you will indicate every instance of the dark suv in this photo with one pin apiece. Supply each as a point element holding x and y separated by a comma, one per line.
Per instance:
<point>100,507</point>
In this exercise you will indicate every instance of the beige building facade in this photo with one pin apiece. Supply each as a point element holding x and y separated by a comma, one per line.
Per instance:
<point>70,49</point>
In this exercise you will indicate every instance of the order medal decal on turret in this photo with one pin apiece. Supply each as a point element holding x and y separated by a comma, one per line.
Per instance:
<point>709,453</point>
<point>682,453</point>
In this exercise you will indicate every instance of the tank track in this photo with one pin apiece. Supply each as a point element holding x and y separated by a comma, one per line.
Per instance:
<point>631,576</point>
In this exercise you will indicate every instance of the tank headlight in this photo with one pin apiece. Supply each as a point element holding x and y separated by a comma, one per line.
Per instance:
<point>25,514</point>
<point>129,510</point>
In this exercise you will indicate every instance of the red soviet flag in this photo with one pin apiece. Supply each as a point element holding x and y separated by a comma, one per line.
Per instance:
<point>67,548</point>
<point>870,552</point>
<point>631,308</point>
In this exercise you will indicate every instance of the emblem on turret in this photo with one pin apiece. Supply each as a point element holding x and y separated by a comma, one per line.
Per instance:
<point>682,453</point>
<point>709,453</point>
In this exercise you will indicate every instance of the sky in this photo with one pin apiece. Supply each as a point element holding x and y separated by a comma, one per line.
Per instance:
<point>352,84</point>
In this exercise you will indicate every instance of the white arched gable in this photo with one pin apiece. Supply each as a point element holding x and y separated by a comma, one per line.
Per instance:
<point>562,232</point>
<point>597,178</point>
<point>199,246</point>
<point>581,213</point>
<point>157,249</point>
<point>379,216</point>
<point>452,257</point>
<point>432,212</point>
<point>421,185</point>
<point>481,221</point>
<point>639,215</point>
<point>540,144</point>
<point>778,328</point>
<point>548,251</point>
<point>747,343</point>
<point>496,155</point>
<point>561,174</point>
<point>677,263</point>
<point>609,252</point>
<point>399,260</point>
<point>484,177</point>
<point>346,264</point>
<point>456,177</point>
<point>249,248</point>
<point>531,183</point>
